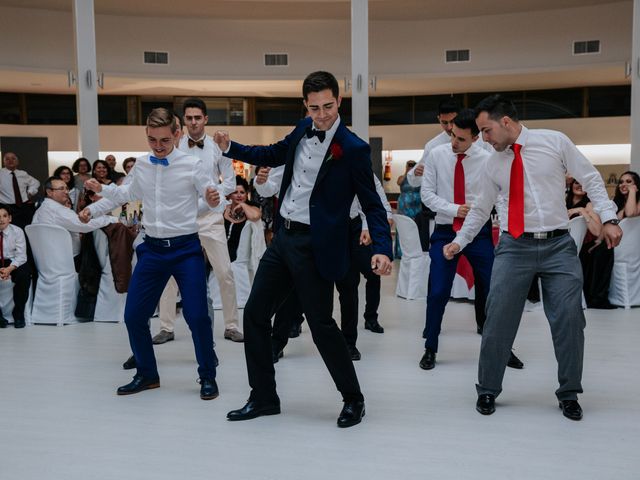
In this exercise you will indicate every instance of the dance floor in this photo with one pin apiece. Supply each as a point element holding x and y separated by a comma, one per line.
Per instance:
<point>61,418</point>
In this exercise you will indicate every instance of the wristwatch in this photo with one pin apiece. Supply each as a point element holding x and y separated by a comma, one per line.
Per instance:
<point>614,221</point>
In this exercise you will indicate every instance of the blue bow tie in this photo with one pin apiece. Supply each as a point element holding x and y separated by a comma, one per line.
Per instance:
<point>159,161</point>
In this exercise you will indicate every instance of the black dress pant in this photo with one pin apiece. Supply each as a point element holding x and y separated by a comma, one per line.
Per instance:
<point>348,286</point>
<point>20,277</point>
<point>289,261</point>
<point>288,315</point>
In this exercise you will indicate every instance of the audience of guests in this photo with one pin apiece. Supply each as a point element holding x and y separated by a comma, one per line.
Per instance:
<point>626,197</point>
<point>237,213</point>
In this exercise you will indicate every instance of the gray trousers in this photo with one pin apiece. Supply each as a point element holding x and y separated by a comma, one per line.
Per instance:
<point>517,261</point>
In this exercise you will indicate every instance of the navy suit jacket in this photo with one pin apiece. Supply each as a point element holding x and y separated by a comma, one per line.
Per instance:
<point>341,177</point>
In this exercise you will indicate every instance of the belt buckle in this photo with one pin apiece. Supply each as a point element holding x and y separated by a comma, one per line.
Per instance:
<point>287,223</point>
<point>166,242</point>
<point>540,235</point>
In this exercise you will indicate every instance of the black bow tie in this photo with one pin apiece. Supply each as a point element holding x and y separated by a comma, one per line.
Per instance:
<point>199,144</point>
<point>316,133</point>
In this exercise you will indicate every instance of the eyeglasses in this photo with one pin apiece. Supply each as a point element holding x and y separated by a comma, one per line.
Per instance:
<point>63,189</point>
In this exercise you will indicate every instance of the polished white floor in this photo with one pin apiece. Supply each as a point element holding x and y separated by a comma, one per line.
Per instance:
<point>60,417</point>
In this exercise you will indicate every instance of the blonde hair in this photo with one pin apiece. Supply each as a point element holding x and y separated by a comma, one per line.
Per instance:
<point>161,117</point>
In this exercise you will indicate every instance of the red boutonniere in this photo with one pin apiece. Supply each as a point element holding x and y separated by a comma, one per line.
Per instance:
<point>335,152</point>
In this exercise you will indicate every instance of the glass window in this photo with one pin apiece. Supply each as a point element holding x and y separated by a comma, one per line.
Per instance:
<point>279,111</point>
<point>561,103</point>
<point>426,107</point>
<point>112,110</point>
<point>390,110</point>
<point>51,109</point>
<point>9,108</point>
<point>149,103</point>
<point>609,101</point>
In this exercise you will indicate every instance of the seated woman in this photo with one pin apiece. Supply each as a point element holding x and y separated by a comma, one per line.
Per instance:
<point>595,257</point>
<point>82,169</point>
<point>626,197</point>
<point>236,215</point>
<point>102,172</point>
<point>13,266</point>
<point>66,175</point>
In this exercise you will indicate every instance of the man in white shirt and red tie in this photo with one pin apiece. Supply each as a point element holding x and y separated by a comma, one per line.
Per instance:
<point>169,183</point>
<point>17,188</point>
<point>13,266</point>
<point>528,170</point>
<point>450,185</point>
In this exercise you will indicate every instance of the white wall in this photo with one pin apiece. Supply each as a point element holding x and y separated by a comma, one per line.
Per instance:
<point>523,42</point>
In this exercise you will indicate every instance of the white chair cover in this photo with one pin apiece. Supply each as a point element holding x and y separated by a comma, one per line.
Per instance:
<point>624,288</point>
<point>251,246</point>
<point>414,264</point>
<point>460,289</point>
<point>57,287</point>
<point>578,230</point>
<point>6,302</point>
<point>110,304</point>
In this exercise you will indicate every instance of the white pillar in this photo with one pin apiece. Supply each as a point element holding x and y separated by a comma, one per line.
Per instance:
<point>360,68</point>
<point>86,78</point>
<point>635,89</point>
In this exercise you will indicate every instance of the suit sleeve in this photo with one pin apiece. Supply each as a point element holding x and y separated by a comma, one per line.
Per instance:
<point>272,155</point>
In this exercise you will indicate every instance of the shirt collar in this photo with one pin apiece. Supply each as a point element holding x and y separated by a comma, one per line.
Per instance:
<point>524,135</point>
<point>201,139</point>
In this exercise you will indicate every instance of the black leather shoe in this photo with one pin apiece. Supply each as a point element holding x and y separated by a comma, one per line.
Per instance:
<point>18,323</point>
<point>571,409</point>
<point>253,410</point>
<point>130,364</point>
<point>428,360</point>
<point>354,352</point>
<point>208,389</point>
<point>514,362</point>
<point>486,404</point>
<point>373,326</point>
<point>139,384</point>
<point>277,355</point>
<point>295,331</point>
<point>479,330</point>
<point>3,322</point>
<point>351,414</point>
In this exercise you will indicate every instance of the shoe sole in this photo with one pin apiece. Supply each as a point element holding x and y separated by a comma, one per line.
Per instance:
<point>575,419</point>
<point>147,387</point>
<point>374,331</point>
<point>485,412</point>
<point>209,397</point>
<point>427,367</point>
<point>517,366</point>
<point>163,341</point>
<point>271,411</point>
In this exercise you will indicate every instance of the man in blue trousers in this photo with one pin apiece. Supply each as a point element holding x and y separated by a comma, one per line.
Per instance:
<point>170,184</point>
<point>326,165</point>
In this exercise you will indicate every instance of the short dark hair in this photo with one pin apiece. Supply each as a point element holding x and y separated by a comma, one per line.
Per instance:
<point>58,171</point>
<point>48,183</point>
<point>240,181</point>
<point>319,81</point>
<point>497,106</point>
<point>104,164</point>
<point>194,102</point>
<point>466,119</point>
<point>75,168</point>
<point>450,105</point>
<point>128,160</point>
<point>6,208</point>
<point>179,118</point>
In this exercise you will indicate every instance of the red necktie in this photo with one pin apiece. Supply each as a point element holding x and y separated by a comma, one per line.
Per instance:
<point>458,190</point>
<point>516,194</point>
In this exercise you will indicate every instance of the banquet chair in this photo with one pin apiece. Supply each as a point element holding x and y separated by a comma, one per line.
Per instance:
<point>110,303</point>
<point>413,274</point>
<point>624,288</point>
<point>6,301</point>
<point>57,288</point>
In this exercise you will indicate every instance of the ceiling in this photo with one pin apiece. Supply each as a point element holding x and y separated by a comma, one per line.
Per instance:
<point>396,10</point>
<point>399,10</point>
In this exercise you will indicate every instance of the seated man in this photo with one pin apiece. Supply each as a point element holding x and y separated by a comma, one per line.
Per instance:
<point>54,211</point>
<point>13,266</point>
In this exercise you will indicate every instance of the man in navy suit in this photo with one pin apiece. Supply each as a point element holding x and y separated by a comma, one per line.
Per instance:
<point>326,165</point>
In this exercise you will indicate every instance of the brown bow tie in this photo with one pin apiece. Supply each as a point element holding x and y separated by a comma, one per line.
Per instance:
<point>193,143</point>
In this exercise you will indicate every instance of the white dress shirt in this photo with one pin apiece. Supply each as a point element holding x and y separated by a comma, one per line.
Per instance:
<point>219,167</point>
<point>441,139</point>
<point>169,194</point>
<point>309,156</point>
<point>28,186</point>
<point>356,209</point>
<point>547,157</point>
<point>272,186</point>
<point>53,213</point>
<point>436,190</point>
<point>14,245</point>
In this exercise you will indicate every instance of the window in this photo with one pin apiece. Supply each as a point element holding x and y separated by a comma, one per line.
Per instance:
<point>10,108</point>
<point>112,110</point>
<point>279,111</point>
<point>51,109</point>
<point>586,47</point>
<point>456,56</point>
<point>157,58</point>
<point>609,101</point>
<point>390,110</point>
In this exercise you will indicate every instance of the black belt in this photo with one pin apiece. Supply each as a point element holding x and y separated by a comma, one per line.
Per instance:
<point>295,226</point>
<point>170,242</point>
<point>544,235</point>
